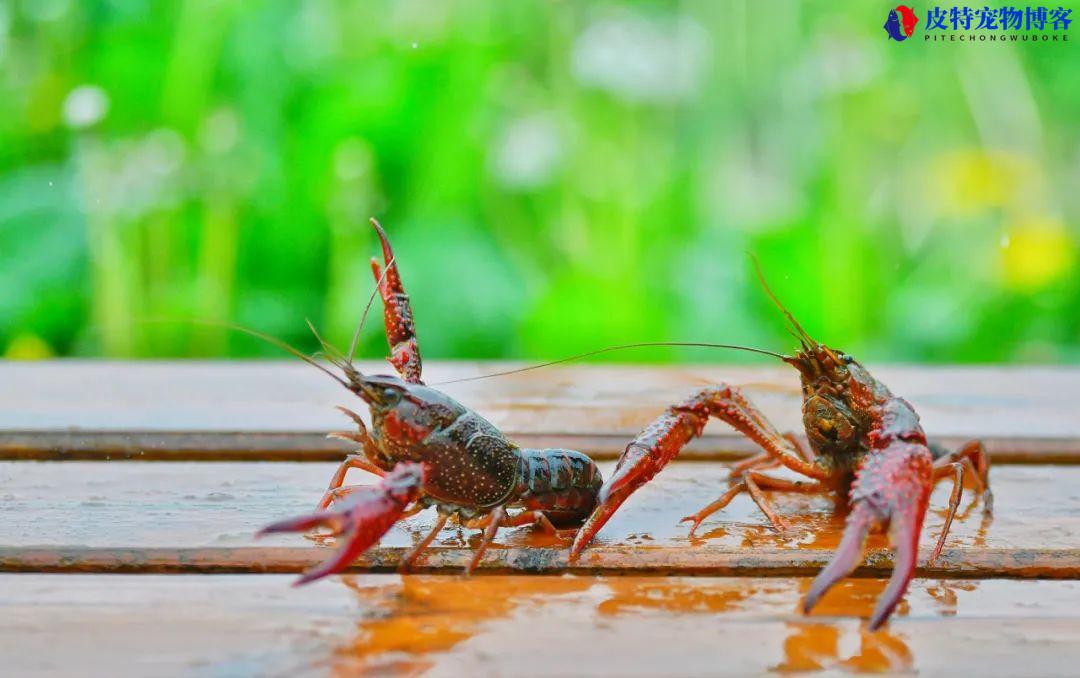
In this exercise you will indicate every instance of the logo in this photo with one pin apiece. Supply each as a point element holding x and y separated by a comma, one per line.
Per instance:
<point>900,24</point>
<point>960,23</point>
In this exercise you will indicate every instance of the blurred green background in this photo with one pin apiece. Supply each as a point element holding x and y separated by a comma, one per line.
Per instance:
<point>555,177</point>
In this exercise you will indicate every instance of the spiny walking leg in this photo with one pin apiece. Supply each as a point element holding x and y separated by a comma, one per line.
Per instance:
<point>410,557</point>
<point>360,461</point>
<point>495,518</point>
<point>954,503</point>
<point>977,462</point>
<point>499,518</point>
<point>760,482</point>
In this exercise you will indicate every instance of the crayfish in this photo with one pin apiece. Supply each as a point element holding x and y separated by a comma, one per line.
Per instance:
<point>431,450</point>
<point>865,445</point>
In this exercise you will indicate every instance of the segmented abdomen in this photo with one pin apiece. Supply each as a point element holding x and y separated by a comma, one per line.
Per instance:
<point>561,483</point>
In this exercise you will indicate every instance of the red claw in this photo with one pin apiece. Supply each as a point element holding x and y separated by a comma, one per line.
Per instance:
<point>892,488</point>
<point>643,458</point>
<point>400,328</point>
<point>363,518</point>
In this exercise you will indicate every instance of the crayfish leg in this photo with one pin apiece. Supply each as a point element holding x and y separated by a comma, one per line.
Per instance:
<point>357,461</point>
<point>410,557</point>
<point>976,462</point>
<point>954,503</point>
<point>493,522</point>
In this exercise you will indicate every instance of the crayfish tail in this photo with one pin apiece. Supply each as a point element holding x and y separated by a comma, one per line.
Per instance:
<point>848,555</point>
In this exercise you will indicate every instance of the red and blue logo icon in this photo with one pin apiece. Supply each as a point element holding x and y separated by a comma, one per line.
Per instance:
<point>901,23</point>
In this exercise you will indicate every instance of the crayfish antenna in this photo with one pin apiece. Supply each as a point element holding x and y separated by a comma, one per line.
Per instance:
<point>365,516</point>
<point>796,329</point>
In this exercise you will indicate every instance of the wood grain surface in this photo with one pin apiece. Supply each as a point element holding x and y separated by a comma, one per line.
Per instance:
<point>281,410</point>
<point>1002,600</point>
<point>86,516</point>
<point>75,625</point>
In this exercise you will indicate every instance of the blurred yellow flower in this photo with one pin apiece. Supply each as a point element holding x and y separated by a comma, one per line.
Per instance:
<point>28,347</point>
<point>971,181</point>
<point>1036,252</point>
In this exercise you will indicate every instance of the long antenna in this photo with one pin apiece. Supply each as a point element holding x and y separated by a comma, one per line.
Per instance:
<point>761,277</point>
<point>609,349</point>
<point>363,317</point>
<point>274,341</point>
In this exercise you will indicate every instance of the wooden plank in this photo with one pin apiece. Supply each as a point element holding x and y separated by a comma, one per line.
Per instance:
<point>81,516</point>
<point>280,410</point>
<point>275,447</point>
<point>954,563</point>
<point>385,624</point>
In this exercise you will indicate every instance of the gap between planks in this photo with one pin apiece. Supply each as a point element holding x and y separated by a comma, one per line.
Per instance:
<point>953,563</point>
<point>312,447</point>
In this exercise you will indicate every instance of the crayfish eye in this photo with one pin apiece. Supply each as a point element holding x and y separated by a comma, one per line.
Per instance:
<point>391,396</point>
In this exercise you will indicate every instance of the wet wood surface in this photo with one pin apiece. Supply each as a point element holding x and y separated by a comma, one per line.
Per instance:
<point>281,410</point>
<point>1004,598</point>
<point>449,626</point>
<point>87,516</point>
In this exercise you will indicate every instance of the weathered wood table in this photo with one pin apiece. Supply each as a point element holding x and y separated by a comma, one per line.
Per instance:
<point>123,485</point>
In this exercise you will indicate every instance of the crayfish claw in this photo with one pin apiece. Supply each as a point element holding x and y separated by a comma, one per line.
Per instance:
<point>905,549</point>
<point>847,556</point>
<point>891,488</point>
<point>299,523</point>
<point>365,515</point>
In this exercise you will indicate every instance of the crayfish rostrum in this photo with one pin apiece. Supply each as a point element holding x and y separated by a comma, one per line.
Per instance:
<point>865,445</point>
<point>431,450</point>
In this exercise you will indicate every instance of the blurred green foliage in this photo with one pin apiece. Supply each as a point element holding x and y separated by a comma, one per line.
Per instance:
<point>555,177</point>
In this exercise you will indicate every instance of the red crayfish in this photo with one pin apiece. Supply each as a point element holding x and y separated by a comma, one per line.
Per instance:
<point>431,450</point>
<point>865,445</point>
